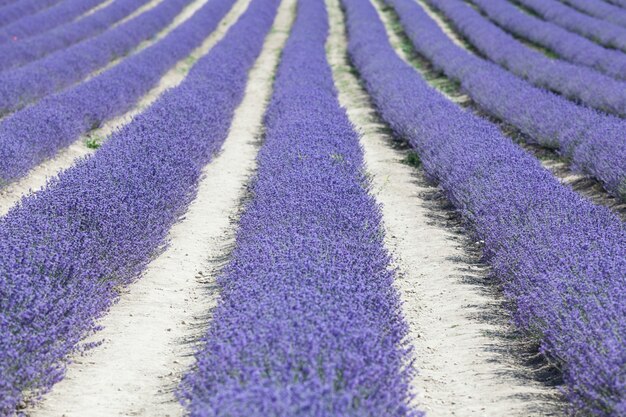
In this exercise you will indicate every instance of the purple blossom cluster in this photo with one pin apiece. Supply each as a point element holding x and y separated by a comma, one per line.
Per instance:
<point>600,31</point>
<point>47,19</point>
<point>17,9</point>
<point>37,132</point>
<point>66,250</point>
<point>15,54</point>
<point>309,322</point>
<point>560,258</point>
<point>600,9</point>
<point>579,83</point>
<point>593,142</point>
<point>61,69</point>
<point>566,44</point>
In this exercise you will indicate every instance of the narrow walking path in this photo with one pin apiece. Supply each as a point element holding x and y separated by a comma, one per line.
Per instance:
<point>150,335</point>
<point>39,175</point>
<point>462,369</point>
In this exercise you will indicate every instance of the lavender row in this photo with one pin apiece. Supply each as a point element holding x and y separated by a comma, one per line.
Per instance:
<point>309,322</point>
<point>37,132</point>
<point>66,250</point>
<point>593,142</point>
<point>63,68</point>
<point>560,258</point>
<point>567,45</point>
<point>47,19</point>
<point>16,10</point>
<point>600,9</point>
<point>579,83</point>
<point>600,31</point>
<point>15,54</point>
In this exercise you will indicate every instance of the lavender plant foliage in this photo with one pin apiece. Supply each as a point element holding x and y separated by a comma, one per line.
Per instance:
<point>66,250</point>
<point>593,142</point>
<point>18,9</point>
<point>560,258</point>
<point>599,31</point>
<point>39,131</point>
<point>600,9</point>
<point>61,69</point>
<point>309,322</point>
<point>567,45</point>
<point>578,83</point>
<point>23,51</point>
<point>46,19</point>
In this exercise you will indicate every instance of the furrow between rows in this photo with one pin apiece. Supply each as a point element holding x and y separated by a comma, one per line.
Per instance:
<point>150,335</point>
<point>466,363</point>
<point>564,294</point>
<point>68,250</point>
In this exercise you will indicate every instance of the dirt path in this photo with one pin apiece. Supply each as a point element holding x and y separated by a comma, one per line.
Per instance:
<point>149,334</point>
<point>65,158</point>
<point>461,369</point>
<point>94,9</point>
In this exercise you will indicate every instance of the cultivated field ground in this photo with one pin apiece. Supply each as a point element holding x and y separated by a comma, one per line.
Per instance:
<point>312,208</point>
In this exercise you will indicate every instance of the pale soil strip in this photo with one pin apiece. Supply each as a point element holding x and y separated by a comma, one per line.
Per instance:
<point>148,334</point>
<point>460,370</point>
<point>180,18</point>
<point>39,175</point>
<point>442,24</point>
<point>93,10</point>
<point>142,9</point>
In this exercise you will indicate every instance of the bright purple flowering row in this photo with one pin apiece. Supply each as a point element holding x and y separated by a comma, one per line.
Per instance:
<point>63,68</point>
<point>600,9</point>
<point>50,18</point>
<point>579,83</point>
<point>592,141</point>
<point>309,321</point>
<point>567,45</point>
<point>600,31</point>
<point>66,250</point>
<point>37,132</point>
<point>560,258</point>
<point>15,54</point>
<point>18,9</point>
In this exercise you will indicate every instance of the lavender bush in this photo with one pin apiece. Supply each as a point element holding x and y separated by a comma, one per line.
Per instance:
<point>600,31</point>
<point>61,69</point>
<point>593,142</point>
<point>47,19</point>
<point>39,131</point>
<point>567,45</point>
<point>578,83</point>
<point>600,9</point>
<point>15,54</point>
<point>560,258</point>
<point>309,321</point>
<point>66,250</point>
<point>18,9</point>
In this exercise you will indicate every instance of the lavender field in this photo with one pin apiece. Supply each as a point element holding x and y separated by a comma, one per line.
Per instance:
<point>312,208</point>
